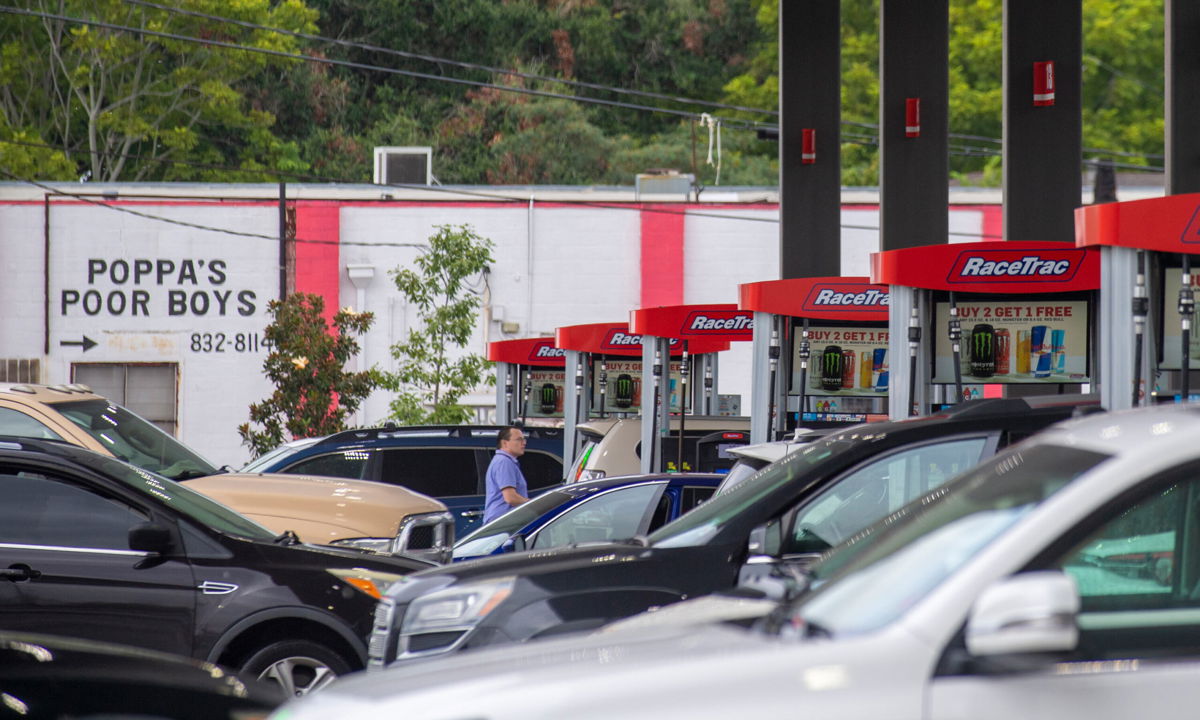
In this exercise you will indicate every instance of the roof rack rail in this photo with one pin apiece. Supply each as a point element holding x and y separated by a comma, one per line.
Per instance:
<point>390,428</point>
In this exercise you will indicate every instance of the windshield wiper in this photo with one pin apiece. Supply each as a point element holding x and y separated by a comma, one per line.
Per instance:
<point>287,537</point>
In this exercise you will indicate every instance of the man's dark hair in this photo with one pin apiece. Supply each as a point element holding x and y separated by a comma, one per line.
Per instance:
<point>504,434</point>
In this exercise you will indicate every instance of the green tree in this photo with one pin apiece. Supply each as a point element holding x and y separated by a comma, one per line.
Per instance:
<point>314,393</point>
<point>432,374</point>
<point>123,106</point>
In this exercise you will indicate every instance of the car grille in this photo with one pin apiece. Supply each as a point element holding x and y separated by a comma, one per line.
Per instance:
<point>422,538</point>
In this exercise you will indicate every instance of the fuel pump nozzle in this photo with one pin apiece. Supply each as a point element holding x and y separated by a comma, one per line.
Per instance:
<point>1141,309</point>
<point>1187,305</point>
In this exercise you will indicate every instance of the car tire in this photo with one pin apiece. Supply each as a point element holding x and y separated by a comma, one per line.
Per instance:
<point>298,667</point>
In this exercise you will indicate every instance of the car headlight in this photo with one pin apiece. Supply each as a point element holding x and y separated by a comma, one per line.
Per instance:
<point>379,545</point>
<point>588,475</point>
<point>372,582</point>
<point>456,607</point>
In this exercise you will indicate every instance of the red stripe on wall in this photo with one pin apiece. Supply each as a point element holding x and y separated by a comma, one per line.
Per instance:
<point>662,256</point>
<point>317,266</point>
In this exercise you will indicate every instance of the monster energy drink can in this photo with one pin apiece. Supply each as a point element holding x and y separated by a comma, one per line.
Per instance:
<point>983,350</point>
<point>831,368</point>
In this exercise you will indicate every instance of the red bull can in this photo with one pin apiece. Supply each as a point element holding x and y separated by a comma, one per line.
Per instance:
<point>1003,347</point>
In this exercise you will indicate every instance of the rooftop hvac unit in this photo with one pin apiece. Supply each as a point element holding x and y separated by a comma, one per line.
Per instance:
<point>664,183</point>
<point>403,166</point>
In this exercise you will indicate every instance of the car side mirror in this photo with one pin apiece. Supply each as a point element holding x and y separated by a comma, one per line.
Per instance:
<point>766,539</point>
<point>518,542</point>
<point>1031,612</point>
<point>151,538</point>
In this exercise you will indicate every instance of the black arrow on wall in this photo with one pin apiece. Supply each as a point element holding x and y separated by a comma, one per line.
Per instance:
<point>86,343</point>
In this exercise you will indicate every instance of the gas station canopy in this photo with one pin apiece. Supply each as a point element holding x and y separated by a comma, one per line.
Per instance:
<point>694,323</point>
<point>1012,266</point>
<point>527,351</point>
<point>618,339</point>
<point>819,298</point>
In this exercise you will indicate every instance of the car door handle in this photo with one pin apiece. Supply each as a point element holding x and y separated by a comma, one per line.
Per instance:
<point>19,573</point>
<point>470,513</point>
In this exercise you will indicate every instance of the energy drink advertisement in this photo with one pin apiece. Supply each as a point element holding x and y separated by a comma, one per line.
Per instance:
<point>844,361</point>
<point>1172,335</point>
<point>623,393</point>
<point>546,393</point>
<point>1017,342</point>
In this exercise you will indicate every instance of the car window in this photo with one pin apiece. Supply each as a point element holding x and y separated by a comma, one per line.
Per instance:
<point>1137,574</point>
<point>17,423</point>
<point>540,469</point>
<point>693,496</point>
<point>613,515</point>
<point>39,510</point>
<point>350,464</point>
<point>436,472</point>
<point>877,488</point>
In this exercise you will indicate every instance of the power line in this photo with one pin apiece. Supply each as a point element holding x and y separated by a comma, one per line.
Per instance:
<point>457,63</point>
<point>734,124</point>
<point>592,86</point>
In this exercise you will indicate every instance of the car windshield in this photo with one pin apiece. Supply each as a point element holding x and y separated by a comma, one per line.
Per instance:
<point>200,508</point>
<point>487,538</point>
<point>260,464</point>
<point>702,524</point>
<point>135,440</point>
<point>869,582</point>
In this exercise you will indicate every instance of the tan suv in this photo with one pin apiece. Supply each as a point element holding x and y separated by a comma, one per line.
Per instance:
<point>321,510</point>
<point>613,446</point>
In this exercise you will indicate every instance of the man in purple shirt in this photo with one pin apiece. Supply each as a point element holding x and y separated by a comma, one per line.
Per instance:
<point>505,485</point>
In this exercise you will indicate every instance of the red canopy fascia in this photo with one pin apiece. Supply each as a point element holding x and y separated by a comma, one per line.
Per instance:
<point>694,322</point>
<point>527,351</point>
<point>1166,224</point>
<point>1013,266</point>
<point>616,339</point>
<point>820,298</point>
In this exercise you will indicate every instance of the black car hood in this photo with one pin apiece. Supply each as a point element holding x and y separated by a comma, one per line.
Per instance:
<point>305,555</point>
<point>537,562</point>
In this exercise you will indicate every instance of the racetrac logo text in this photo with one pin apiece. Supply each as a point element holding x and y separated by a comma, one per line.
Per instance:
<point>718,322</point>
<point>547,352</point>
<point>1016,266</point>
<point>623,340</point>
<point>848,297</point>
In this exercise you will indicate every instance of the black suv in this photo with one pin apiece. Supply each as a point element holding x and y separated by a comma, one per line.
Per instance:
<point>447,462</point>
<point>814,498</point>
<point>94,548</point>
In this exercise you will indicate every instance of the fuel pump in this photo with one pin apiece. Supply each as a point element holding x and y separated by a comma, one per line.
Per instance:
<point>954,331</point>
<point>914,344</point>
<point>1141,309</point>
<point>803,354</point>
<point>773,355</point>
<point>1187,305</point>
<point>603,384</point>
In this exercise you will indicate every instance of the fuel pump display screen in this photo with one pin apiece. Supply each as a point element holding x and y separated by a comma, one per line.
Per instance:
<point>1014,341</point>
<point>1172,333</point>
<point>843,361</point>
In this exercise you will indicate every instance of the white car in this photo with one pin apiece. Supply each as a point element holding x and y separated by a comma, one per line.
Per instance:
<point>981,600</point>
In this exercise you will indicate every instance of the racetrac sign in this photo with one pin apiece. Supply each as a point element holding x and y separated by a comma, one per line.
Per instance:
<point>721,322</point>
<point>1002,267</point>
<point>1016,266</point>
<point>622,340</point>
<point>850,299</point>
<point>527,351</point>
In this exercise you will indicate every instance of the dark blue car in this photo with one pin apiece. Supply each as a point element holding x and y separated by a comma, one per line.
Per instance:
<point>606,510</point>
<point>447,462</point>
